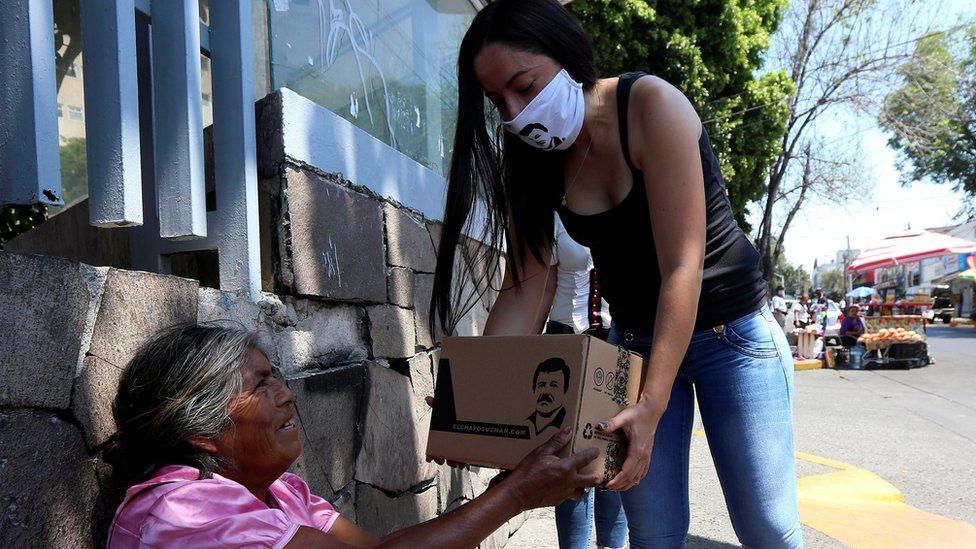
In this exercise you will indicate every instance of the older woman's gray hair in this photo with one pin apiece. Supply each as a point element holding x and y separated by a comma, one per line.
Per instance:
<point>176,388</point>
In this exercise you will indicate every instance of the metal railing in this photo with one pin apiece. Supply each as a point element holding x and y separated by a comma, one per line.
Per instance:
<point>145,148</point>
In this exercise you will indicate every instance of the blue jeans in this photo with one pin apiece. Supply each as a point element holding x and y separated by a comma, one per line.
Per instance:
<point>742,373</point>
<point>574,520</point>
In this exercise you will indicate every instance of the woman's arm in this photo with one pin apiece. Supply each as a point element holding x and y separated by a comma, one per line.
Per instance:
<point>518,308</point>
<point>665,133</point>
<point>540,480</point>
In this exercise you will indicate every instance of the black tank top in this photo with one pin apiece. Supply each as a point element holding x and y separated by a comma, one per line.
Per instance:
<point>625,257</point>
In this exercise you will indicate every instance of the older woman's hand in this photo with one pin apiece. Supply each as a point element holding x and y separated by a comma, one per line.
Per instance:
<point>542,479</point>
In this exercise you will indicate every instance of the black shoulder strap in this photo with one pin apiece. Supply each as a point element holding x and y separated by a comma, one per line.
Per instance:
<point>624,85</point>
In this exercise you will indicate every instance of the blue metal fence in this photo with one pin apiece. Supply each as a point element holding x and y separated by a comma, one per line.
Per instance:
<point>165,199</point>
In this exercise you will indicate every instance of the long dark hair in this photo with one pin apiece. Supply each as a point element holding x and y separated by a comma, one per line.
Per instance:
<point>516,184</point>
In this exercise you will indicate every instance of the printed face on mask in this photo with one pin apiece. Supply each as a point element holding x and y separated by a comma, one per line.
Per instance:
<point>538,100</point>
<point>537,135</point>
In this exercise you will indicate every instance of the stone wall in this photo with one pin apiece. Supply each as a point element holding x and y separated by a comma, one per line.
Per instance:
<point>348,279</point>
<point>352,277</point>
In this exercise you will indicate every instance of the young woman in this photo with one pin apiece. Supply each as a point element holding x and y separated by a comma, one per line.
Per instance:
<point>627,165</point>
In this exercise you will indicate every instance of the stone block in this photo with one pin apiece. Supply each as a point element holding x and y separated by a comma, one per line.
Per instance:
<point>93,395</point>
<point>323,336</point>
<point>381,514</point>
<point>335,247</point>
<point>221,306</point>
<point>516,522</point>
<point>330,409</point>
<point>453,487</point>
<point>395,431</point>
<point>48,489</point>
<point>423,289</point>
<point>408,243</point>
<point>400,284</point>
<point>392,331</point>
<point>345,501</point>
<point>46,309</point>
<point>481,477</point>
<point>135,305</point>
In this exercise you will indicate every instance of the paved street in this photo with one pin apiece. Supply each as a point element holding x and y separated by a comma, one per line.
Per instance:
<point>915,429</point>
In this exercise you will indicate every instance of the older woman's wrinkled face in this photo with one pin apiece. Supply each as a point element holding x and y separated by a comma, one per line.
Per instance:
<point>262,440</point>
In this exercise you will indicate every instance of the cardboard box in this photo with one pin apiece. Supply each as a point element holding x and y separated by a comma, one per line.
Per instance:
<point>499,397</point>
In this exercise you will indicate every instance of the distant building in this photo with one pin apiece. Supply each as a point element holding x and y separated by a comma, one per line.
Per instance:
<point>946,269</point>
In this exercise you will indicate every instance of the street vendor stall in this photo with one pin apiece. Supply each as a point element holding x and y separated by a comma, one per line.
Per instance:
<point>910,246</point>
<point>894,339</point>
<point>910,323</point>
<point>894,348</point>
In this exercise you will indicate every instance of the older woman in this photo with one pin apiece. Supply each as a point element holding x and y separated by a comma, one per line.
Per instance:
<point>206,432</point>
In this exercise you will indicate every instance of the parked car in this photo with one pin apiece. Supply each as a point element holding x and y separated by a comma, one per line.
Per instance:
<point>833,318</point>
<point>941,308</point>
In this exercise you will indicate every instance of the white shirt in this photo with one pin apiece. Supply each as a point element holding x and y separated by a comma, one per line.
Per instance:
<point>779,304</point>
<point>800,312</point>
<point>573,265</point>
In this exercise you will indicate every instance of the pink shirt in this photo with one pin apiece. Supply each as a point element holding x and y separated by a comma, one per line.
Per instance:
<point>175,509</point>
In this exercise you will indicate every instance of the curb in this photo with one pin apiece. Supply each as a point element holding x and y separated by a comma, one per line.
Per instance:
<point>810,364</point>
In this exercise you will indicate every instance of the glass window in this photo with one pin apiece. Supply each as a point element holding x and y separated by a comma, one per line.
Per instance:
<point>69,73</point>
<point>387,66</point>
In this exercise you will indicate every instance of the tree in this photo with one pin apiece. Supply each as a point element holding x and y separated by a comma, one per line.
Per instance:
<point>794,278</point>
<point>74,169</point>
<point>843,56</point>
<point>932,115</point>
<point>711,50</point>
<point>833,282</point>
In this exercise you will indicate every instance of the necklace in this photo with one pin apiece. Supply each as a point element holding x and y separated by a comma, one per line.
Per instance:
<point>578,170</point>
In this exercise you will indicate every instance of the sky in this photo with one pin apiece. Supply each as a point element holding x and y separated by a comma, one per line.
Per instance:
<point>820,230</point>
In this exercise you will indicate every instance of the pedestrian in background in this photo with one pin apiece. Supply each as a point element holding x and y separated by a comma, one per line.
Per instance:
<point>779,306</point>
<point>801,314</point>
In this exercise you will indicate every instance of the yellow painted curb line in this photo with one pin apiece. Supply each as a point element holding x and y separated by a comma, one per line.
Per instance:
<point>811,364</point>
<point>860,509</point>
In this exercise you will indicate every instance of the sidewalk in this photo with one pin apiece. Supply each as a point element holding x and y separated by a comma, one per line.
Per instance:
<point>710,526</point>
<point>906,437</point>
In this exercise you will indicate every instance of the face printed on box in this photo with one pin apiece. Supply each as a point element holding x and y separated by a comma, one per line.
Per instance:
<point>549,384</point>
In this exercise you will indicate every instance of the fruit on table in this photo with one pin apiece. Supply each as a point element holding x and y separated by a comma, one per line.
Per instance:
<point>890,335</point>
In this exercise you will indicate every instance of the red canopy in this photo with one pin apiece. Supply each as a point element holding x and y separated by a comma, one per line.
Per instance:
<point>910,246</point>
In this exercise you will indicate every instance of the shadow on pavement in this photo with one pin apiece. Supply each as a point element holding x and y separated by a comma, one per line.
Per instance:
<point>698,542</point>
<point>945,332</point>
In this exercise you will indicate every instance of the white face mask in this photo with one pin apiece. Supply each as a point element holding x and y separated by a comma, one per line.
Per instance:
<point>554,118</point>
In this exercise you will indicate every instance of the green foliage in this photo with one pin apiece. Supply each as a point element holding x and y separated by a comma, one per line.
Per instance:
<point>711,50</point>
<point>794,278</point>
<point>932,116</point>
<point>74,170</point>
<point>833,282</point>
